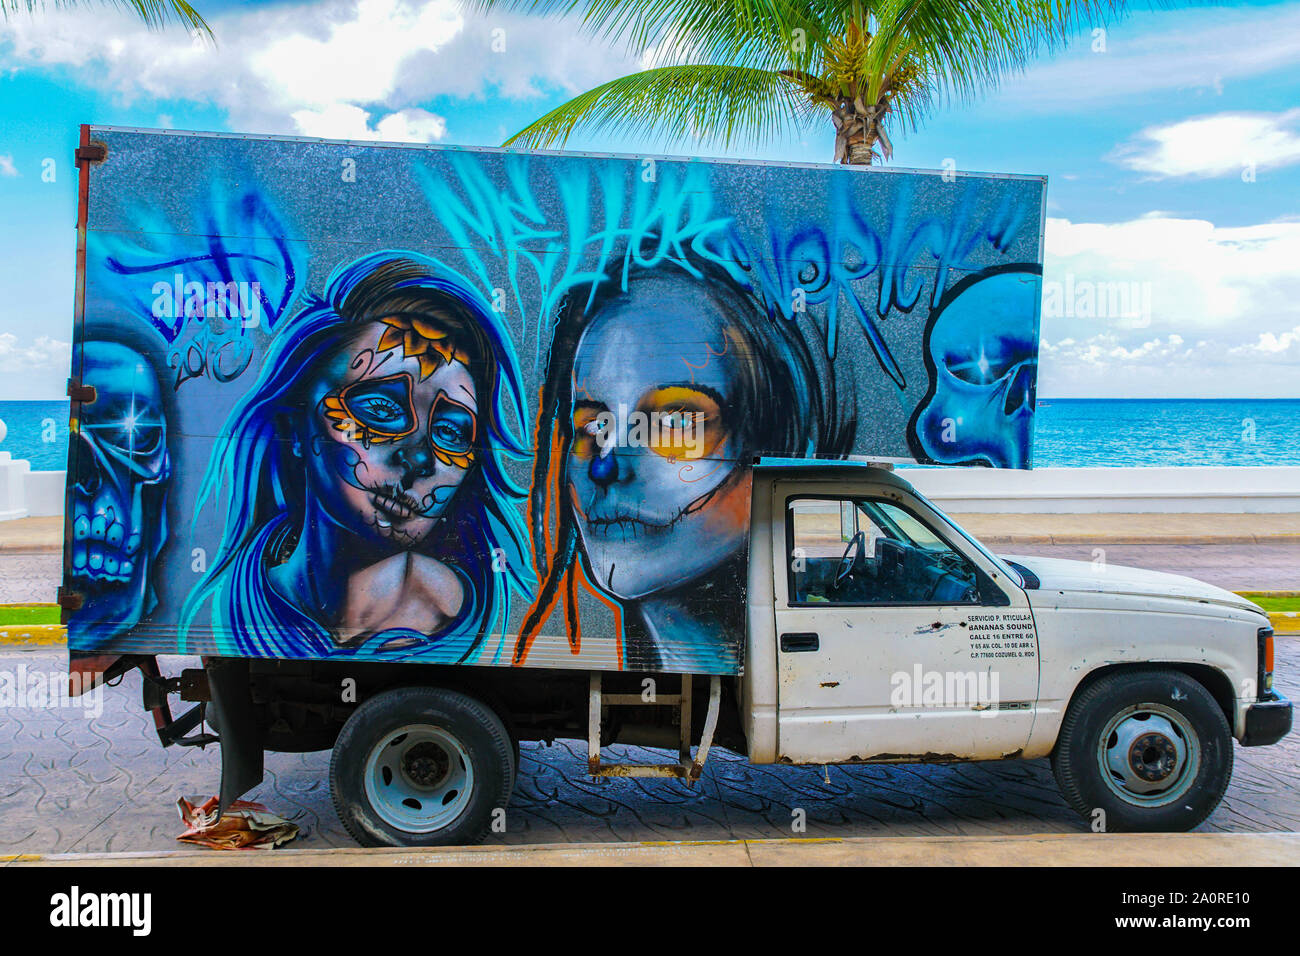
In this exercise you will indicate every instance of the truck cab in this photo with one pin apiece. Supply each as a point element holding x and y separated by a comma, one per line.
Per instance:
<point>880,631</point>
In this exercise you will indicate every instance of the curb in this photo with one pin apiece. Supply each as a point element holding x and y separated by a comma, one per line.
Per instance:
<point>1011,540</point>
<point>1071,849</point>
<point>1285,623</point>
<point>34,635</point>
<point>29,547</point>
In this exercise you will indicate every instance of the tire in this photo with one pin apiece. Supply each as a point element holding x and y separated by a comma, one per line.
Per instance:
<point>1165,761</point>
<point>421,766</point>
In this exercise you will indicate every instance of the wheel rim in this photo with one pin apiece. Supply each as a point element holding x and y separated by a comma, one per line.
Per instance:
<point>1149,755</point>
<point>419,778</point>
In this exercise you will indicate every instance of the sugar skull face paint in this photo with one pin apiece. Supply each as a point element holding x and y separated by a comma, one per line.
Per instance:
<point>652,467</point>
<point>362,476</point>
<point>392,436</point>
<point>662,386</point>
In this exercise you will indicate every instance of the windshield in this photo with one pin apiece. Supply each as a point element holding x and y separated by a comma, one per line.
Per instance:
<point>1001,565</point>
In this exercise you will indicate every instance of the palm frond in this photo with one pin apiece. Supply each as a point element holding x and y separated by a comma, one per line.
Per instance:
<point>682,103</point>
<point>155,13</point>
<point>756,33</point>
<point>902,57</point>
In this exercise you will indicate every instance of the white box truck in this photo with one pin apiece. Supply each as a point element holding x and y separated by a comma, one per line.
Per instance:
<point>425,451</point>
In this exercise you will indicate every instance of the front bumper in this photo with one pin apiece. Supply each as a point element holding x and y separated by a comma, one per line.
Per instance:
<point>1267,721</point>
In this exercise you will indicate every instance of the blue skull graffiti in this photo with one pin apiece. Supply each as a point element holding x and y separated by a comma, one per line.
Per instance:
<point>981,348</point>
<point>122,469</point>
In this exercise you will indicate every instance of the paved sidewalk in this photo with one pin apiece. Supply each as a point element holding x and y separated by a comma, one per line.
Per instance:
<point>30,577</point>
<point>24,535</point>
<point>1138,849</point>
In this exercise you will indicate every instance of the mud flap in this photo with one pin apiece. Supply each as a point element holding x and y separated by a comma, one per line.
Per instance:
<point>241,738</point>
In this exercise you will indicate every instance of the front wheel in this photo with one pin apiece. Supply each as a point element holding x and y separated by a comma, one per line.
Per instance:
<point>421,766</point>
<point>1144,751</point>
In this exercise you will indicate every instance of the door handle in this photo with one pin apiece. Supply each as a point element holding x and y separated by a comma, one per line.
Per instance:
<point>803,641</point>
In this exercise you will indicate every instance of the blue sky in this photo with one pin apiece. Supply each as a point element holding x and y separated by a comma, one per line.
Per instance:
<point>1171,141</point>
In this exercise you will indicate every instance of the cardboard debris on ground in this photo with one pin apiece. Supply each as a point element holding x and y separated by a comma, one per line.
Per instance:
<point>244,826</point>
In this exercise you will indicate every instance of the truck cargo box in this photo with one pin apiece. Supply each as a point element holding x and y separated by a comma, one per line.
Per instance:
<point>472,406</point>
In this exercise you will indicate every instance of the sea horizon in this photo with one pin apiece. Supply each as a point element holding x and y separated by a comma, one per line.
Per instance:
<point>1068,432</point>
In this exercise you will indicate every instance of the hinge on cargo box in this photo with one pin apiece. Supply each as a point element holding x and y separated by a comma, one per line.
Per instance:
<point>91,153</point>
<point>85,394</point>
<point>68,599</point>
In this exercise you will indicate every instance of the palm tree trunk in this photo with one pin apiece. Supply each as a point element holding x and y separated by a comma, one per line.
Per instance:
<point>860,152</point>
<point>855,137</point>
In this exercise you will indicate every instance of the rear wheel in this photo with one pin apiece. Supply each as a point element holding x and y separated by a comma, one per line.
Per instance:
<point>421,766</point>
<point>1145,750</point>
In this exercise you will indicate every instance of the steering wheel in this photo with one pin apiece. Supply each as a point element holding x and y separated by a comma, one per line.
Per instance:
<point>855,552</point>
<point>951,562</point>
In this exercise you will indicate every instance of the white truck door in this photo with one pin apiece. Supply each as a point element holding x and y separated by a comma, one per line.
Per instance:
<point>897,638</point>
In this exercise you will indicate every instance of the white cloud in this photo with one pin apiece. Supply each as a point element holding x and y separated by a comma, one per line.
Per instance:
<point>411,125</point>
<point>1218,145</point>
<point>356,57</point>
<point>43,353</point>
<point>343,121</point>
<point>359,69</point>
<point>1221,304</point>
<point>1201,276</point>
<point>7,167</point>
<point>1283,347</point>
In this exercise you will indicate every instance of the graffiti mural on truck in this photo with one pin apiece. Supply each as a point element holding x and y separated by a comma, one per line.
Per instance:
<point>505,409</point>
<point>660,525</point>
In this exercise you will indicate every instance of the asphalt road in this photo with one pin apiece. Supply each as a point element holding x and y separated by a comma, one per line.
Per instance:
<point>1237,567</point>
<point>34,576</point>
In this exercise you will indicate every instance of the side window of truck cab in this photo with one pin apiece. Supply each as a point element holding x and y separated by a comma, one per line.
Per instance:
<point>869,551</point>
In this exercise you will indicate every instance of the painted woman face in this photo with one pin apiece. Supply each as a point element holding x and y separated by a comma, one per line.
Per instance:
<point>653,478</point>
<point>392,426</point>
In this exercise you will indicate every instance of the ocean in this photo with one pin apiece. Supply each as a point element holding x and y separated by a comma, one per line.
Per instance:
<point>1068,433</point>
<point>1149,433</point>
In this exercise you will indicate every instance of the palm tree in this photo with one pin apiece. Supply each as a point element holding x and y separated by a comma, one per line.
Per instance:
<point>730,71</point>
<point>155,13</point>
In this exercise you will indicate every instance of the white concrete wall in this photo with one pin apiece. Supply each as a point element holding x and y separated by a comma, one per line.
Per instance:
<point>44,492</point>
<point>1094,490</point>
<point>959,490</point>
<point>13,480</point>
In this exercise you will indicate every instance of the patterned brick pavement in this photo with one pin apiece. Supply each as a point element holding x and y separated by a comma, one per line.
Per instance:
<point>30,577</point>
<point>72,784</point>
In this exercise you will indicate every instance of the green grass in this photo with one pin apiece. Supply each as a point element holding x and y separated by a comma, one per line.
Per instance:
<point>19,615</point>
<point>1274,602</point>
